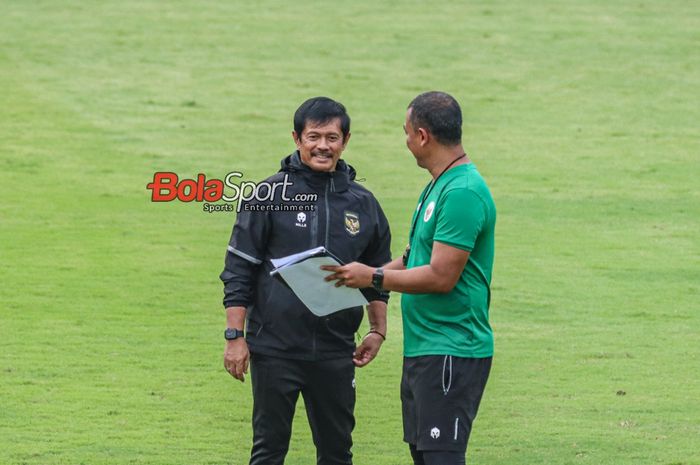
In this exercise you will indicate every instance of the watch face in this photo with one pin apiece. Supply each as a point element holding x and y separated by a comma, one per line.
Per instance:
<point>231,334</point>
<point>378,279</point>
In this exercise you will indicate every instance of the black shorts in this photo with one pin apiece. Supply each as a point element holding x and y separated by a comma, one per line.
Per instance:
<point>440,396</point>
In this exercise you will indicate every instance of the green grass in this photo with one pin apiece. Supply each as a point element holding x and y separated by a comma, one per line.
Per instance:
<point>582,116</point>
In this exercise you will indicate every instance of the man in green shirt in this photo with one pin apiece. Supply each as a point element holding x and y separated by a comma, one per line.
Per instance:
<point>445,278</point>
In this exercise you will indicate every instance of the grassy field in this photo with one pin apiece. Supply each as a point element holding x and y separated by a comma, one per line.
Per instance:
<point>582,116</point>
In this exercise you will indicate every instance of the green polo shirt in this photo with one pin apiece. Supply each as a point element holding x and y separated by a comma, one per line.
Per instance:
<point>458,212</point>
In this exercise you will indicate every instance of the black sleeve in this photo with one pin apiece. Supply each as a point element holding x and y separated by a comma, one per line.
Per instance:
<point>378,252</point>
<point>245,253</point>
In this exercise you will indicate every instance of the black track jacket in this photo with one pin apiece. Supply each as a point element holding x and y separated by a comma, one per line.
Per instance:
<point>347,220</point>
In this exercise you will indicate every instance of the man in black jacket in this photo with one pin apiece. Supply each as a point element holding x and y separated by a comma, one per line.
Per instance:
<point>291,350</point>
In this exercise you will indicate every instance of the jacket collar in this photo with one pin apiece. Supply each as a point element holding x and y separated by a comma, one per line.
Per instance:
<point>339,179</point>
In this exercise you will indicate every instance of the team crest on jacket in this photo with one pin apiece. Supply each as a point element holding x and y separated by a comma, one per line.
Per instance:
<point>352,223</point>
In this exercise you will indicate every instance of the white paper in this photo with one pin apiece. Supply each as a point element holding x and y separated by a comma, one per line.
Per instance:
<point>297,257</point>
<point>321,297</point>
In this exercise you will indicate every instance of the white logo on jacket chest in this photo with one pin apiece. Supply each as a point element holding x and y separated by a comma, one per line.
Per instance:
<point>301,220</point>
<point>428,212</point>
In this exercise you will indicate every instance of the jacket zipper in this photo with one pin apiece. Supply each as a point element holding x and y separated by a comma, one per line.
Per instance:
<point>314,228</point>
<point>328,221</point>
<point>328,215</point>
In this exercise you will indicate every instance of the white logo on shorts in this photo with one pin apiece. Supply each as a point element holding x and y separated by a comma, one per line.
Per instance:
<point>435,433</point>
<point>353,383</point>
<point>301,220</point>
<point>428,214</point>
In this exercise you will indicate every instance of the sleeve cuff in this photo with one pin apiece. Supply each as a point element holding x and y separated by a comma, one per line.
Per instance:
<point>372,294</point>
<point>235,303</point>
<point>456,245</point>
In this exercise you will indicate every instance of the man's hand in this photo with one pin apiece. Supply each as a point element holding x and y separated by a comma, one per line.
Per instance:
<point>353,274</point>
<point>236,358</point>
<point>367,350</point>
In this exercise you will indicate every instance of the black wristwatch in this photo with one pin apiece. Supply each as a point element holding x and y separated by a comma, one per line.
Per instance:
<point>231,333</point>
<point>378,279</point>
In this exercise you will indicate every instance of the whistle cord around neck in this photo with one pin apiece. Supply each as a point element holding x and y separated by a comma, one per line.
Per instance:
<point>427,193</point>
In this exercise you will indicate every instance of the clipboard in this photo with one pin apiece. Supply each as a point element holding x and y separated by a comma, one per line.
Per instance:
<point>302,273</point>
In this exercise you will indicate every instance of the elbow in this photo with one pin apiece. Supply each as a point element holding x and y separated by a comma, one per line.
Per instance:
<point>442,281</point>
<point>444,286</point>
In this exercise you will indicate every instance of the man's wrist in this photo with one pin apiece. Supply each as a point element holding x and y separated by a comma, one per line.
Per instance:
<point>233,333</point>
<point>378,279</point>
<point>379,333</point>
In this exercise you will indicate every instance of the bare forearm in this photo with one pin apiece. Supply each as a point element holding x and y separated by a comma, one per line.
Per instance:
<point>235,317</point>
<point>438,277</point>
<point>395,264</point>
<point>376,315</point>
<point>420,280</point>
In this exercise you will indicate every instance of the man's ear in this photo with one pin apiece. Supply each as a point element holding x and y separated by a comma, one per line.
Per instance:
<point>297,140</point>
<point>347,139</point>
<point>424,136</point>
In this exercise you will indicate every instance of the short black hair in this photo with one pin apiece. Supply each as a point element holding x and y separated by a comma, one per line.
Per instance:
<point>440,114</point>
<point>321,110</point>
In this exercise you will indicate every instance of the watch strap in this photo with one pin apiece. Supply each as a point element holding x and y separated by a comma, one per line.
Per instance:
<point>233,333</point>
<point>378,279</point>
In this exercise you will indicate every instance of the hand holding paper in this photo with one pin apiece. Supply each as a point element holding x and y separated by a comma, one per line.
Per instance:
<point>355,275</point>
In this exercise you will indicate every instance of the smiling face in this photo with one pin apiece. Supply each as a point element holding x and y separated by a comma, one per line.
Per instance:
<point>320,145</point>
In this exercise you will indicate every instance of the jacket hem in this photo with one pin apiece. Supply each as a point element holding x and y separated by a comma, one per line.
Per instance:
<point>307,356</point>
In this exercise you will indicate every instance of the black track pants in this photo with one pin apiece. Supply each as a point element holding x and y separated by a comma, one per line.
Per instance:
<point>328,388</point>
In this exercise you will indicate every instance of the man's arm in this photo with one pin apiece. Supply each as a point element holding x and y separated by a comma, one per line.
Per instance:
<point>369,347</point>
<point>238,279</point>
<point>459,221</point>
<point>395,264</point>
<point>236,355</point>
<point>439,276</point>
<point>378,252</point>
<point>243,257</point>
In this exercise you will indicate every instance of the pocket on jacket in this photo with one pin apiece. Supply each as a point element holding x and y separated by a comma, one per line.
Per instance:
<point>254,327</point>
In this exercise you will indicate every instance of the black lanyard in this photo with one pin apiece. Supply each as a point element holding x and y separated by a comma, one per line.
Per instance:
<point>420,207</point>
<point>427,193</point>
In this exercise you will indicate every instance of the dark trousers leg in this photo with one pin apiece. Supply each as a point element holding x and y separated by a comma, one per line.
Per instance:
<point>416,455</point>
<point>276,385</point>
<point>329,396</point>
